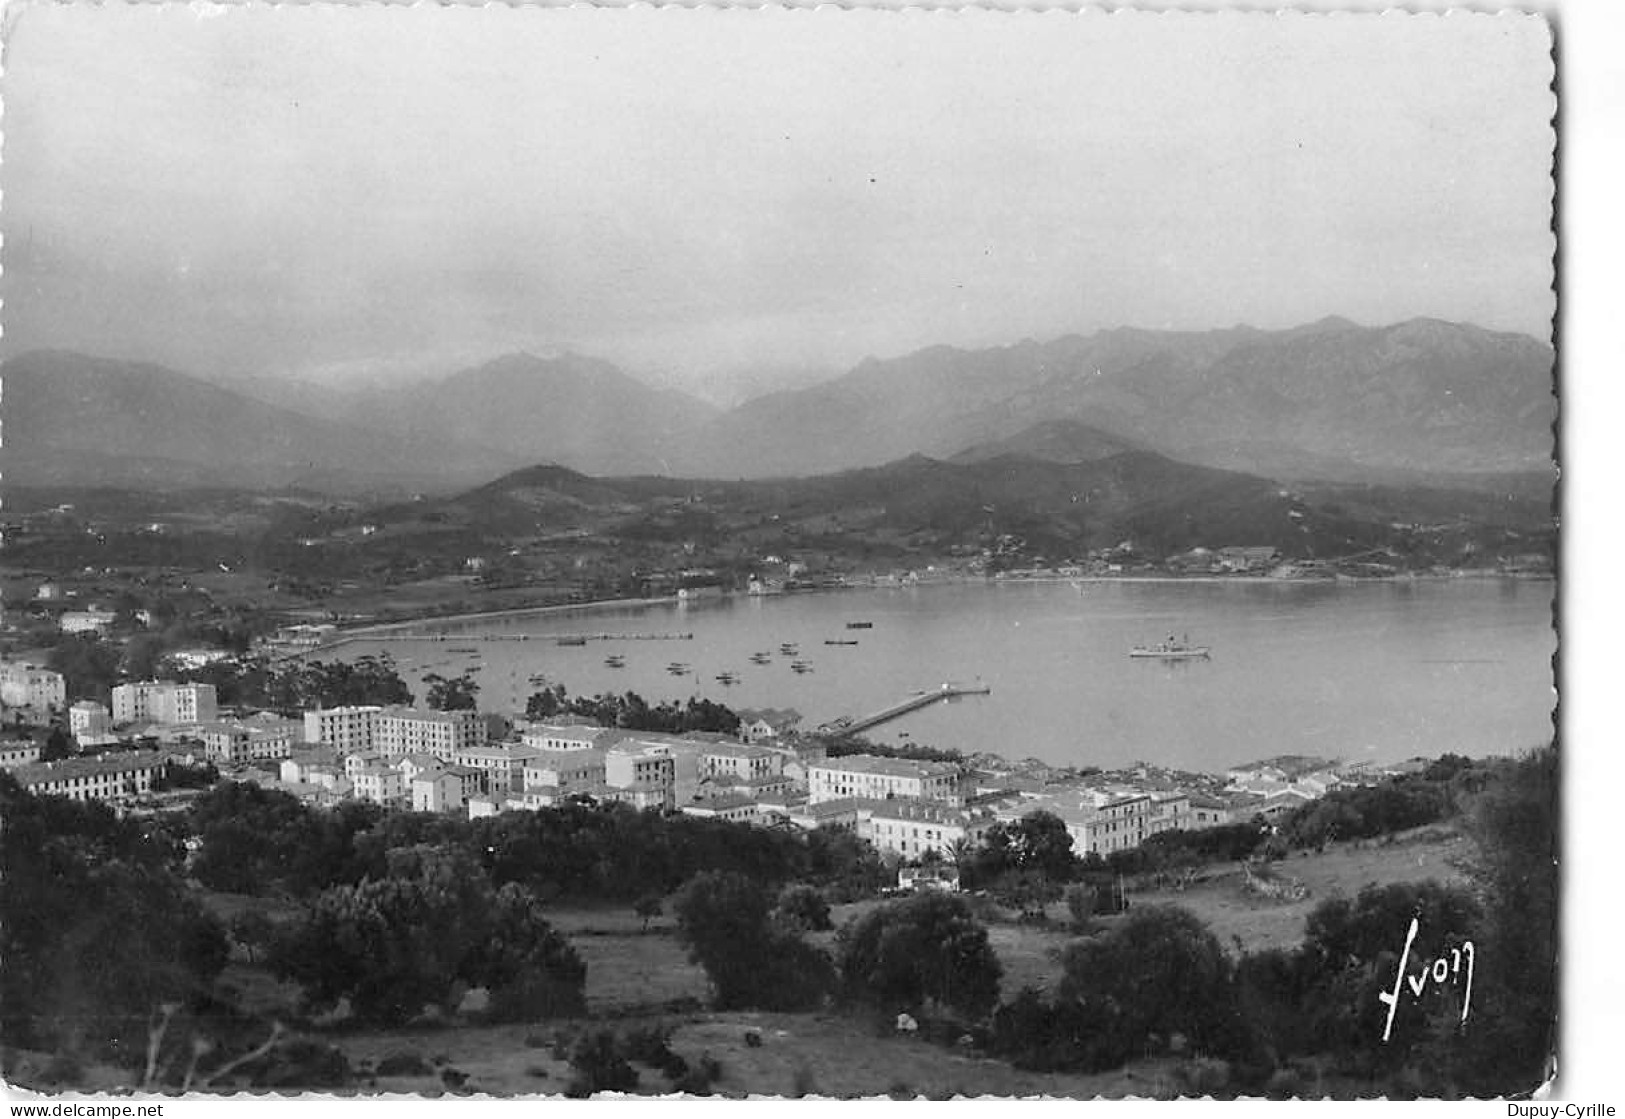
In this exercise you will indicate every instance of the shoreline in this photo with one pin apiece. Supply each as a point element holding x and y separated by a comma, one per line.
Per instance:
<point>383,630</point>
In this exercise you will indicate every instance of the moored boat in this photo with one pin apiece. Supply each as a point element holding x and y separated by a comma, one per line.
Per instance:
<point>1171,649</point>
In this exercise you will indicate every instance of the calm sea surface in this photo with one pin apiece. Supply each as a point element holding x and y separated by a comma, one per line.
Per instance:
<point>1377,671</point>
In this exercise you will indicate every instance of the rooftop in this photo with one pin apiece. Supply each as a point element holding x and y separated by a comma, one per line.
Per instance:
<point>124,761</point>
<point>419,715</point>
<point>889,767</point>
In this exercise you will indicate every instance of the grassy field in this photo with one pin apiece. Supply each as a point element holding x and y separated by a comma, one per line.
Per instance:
<point>1237,915</point>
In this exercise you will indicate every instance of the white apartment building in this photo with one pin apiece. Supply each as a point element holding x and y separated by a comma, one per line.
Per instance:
<point>235,743</point>
<point>104,777</point>
<point>743,763</point>
<point>566,737</point>
<point>554,775</point>
<point>379,783</point>
<point>503,765</point>
<point>437,792</point>
<point>14,755</point>
<point>875,778</point>
<point>345,729</point>
<point>398,731</point>
<point>85,621</point>
<point>641,773</point>
<point>164,702</point>
<point>24,685</point>
<point>91,724</point>
<point>910,828</point>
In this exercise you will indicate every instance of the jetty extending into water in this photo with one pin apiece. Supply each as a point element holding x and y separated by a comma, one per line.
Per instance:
<point>847,725</point>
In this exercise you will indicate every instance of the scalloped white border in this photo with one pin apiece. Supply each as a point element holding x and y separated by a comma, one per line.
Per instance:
<point>1590,81</point>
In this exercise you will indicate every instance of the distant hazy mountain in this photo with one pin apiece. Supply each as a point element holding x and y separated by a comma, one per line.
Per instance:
<point>1327,400</point>
<point>731,387</point>
<point>1051,441</point>
<point>569,409</point>
<point>1059,509</point>
<point>70,419</point>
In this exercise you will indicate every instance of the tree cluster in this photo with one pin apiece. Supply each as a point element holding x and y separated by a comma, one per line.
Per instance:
<point>630,711</point>
<point>421,936</point>
<point>1158,975</point>
<point>258,841</point>
<point>726,919</point>
<point>98,930</point>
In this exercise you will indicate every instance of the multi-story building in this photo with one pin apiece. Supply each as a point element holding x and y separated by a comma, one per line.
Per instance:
<point>555,774</point>
<point>359,760</point>
<point>85,621</point>
<point>874,778</point>
<point>103,777</point>
<point>91,724</point>
<point>164,702</point>
<point>236,743</point>
<point>398,731</point>
<point>641,773</point>
<point>380,784</point>
<point>346,729</point>
<point>14,755</point>
<point>437,791</point>
<point>910,828</point>
<point>735,809</point>
<point>414,766</point>
<point>569,736</point>
<point>743,763</point>
<point>502,764</point>
<point>24,685</point>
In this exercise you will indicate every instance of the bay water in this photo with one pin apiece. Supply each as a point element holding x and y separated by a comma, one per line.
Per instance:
<point>1373,671</point>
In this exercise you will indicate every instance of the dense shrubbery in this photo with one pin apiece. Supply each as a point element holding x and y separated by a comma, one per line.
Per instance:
<point>925,952</point>
<point>98,931</point>
<point>1367,810</point>
<point>1130,990</point>
<point>258,841</point>
<point>726,921</point>
<point>423,934</point>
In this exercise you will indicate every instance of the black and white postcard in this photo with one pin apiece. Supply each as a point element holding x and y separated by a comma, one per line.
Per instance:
<point>825,553</point>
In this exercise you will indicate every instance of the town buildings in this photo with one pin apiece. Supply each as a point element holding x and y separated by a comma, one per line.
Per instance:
<point>343,728</point>
<point>164,702</point>
<point>14,755</point>
<point>876,778</point>
<point>104,777</point>
<point>241,741</point>
<point>91,724</point>
<point>24,685</point>
<point>403,730</point>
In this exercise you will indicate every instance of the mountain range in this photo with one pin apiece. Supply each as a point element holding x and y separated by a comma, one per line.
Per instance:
<point>1331,400</point>
<point>1421,402</point>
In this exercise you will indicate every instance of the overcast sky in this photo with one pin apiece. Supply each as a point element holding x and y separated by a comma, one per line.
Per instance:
<point>323,191</point>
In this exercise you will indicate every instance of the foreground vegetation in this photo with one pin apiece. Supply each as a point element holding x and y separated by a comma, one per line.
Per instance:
<point>632,951</point>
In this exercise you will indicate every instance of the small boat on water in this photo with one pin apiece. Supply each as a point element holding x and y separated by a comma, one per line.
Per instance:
<point>615,660</point>
<point>1171,649</point>
<point>761,658</point>
<point>832,641</point>
<point>860,625</point>
<point>572,640</point>
<point>727,678</point>
<point>800,667</point>
<point>789,648</point>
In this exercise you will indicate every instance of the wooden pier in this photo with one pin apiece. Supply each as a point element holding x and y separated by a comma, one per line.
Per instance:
<point>846,726</point>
